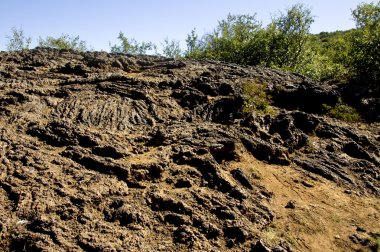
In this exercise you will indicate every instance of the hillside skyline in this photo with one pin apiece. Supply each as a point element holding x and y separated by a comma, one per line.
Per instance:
<point>99,23</point>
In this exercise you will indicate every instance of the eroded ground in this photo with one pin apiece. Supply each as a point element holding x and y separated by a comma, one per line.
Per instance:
<point>104,152</point>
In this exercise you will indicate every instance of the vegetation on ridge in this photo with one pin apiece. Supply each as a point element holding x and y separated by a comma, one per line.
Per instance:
<point>18,41</point>
<point>285,44</point>
<point>64,42</point>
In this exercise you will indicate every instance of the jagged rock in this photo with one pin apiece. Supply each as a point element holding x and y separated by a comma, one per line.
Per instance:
<point>190,98</point>
<point>184,235</point>
<point>115,152</point>
<point>175,219</point>
<point>210,231</point>
<point>307,96</point>
<point>260,247</point>
<point>108,151</point>
<point>70,69</point>
<point>162,203</point>
<point>366,100</point>
<point>291,204</point>
<point>183,183</point>
<point>124,215</point>
<point>265,151</point>
<point>354,150</point>
<point>224,150</point>
<point>305,122</point>
<point>292,136</point>
<point>239,175</point>
<point>235,235</point>
<point>59,133</point>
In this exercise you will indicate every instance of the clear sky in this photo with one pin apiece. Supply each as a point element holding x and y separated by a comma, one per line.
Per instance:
<point>98,22</point>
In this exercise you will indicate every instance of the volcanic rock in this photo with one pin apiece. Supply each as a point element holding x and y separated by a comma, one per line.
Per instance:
<point>114,152</point>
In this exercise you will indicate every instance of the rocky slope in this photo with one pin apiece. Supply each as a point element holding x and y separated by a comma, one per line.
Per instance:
<point>107,152</point>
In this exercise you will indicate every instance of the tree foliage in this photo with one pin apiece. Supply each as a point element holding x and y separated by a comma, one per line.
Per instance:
<point>242,39</point>
<point>63,42</point>
<point>365,43</point>
<point>192,44</point>
<point>366,14</point>
<point>171,48</point>
<point>228,42</point>
<point>18,41</point>
<point>288,37</point>
<point>285,44</point>
<point>131,46</point>
<point>328,56</point>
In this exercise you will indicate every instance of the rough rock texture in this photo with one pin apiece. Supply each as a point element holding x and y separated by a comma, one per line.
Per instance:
<point>108,152</point>
<point>365,98</point>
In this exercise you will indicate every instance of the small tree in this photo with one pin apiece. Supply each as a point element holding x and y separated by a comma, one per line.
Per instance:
<point>192,44</point>
<point>241,39</point>
<point>63,42</point>
<point>365,42</point>
<point>18,41</point>
<point>366,14</point>
<point>229,40</point>
<point>132,46</point>
<point>288,37</point>
<point>171,48</point>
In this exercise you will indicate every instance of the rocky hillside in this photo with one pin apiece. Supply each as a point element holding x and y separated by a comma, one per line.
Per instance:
<point>108,152</point>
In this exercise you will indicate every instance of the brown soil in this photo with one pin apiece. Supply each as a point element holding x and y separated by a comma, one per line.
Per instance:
<point>325,215</point>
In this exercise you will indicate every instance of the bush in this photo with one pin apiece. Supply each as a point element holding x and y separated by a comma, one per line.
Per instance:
<point>256,98</point>
<point>343,112</point>
<point>326,56</point>
<point>18,41</point>
<point>171,48</point>
<point>288,37</point>
<point>131,46</point>
<point>63,42</point>
<point>228,42</point>
<point>193,47</point>
<point>365,43</point>
<point>241,39</point>
<point>321,67</point>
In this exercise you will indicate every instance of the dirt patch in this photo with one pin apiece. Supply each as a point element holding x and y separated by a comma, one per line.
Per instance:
<point>312,213</point>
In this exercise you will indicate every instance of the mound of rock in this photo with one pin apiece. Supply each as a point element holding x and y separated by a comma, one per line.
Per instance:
<point>111,152</point>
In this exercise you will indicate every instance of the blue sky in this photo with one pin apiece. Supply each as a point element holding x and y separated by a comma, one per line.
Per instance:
<point>99,22</point>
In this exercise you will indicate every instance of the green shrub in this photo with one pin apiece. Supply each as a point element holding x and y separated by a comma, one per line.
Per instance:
<point>241,39</point>
<point>289,36</point>
<point>256,98</point>
<point>365,43</point>
<point>131,46</point>
<point>343,112</point>
<point>321,67</point>
<point>64,42</point>
<point>18,41</point>
<point>171,48</point>
<point>375,244</point>
<point>229,41</point>
<point>286,44</point>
